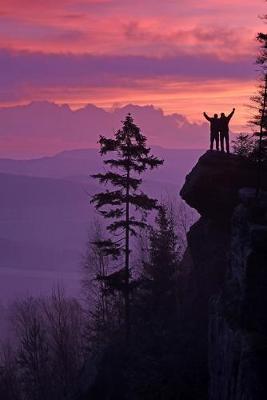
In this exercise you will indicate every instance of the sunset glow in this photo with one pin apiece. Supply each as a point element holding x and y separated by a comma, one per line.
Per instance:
<point>183,57</point>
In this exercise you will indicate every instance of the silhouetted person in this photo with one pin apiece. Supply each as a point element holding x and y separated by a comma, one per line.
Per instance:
<point>224,130</point>
<point>214,130</point>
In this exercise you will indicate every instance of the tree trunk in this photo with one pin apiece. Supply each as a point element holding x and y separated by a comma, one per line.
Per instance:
<point>263,117</point>
<point>127,255</point>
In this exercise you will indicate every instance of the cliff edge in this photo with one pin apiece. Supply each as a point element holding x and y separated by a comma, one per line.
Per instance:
<point>223,277</point>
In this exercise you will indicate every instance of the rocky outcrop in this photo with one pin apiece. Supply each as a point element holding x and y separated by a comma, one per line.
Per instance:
<point>238,318</point>
<point>223,279</point>
<point>212,185</point>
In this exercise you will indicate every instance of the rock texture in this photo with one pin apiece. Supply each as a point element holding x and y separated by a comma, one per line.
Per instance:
<point>238,318</point>
<point>223,277</point>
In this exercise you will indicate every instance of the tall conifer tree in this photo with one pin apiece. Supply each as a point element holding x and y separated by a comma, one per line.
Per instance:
<point>123,195</point>
<point>260,117</point>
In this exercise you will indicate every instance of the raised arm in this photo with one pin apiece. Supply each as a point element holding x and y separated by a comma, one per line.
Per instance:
<point>231,114</point>
<point>206,116</point>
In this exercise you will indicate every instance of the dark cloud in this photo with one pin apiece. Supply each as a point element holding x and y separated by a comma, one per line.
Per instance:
<point>21,70</point>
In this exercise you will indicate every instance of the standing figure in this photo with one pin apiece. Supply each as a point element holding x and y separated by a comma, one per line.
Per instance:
<point>224,130</point>
<point>214,130</point>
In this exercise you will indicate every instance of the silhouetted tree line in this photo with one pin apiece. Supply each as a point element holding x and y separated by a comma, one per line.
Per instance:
<point>45,352</point>
<point>144,364</point>
<point>56,339</point>
<point>126,328</point>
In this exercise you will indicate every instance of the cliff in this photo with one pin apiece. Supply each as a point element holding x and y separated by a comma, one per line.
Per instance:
<point>223,278</point>
<point>238,318</point>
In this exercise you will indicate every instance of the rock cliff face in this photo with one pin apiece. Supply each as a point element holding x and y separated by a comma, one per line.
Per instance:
<point>238,317</point>
<point>224,277</point>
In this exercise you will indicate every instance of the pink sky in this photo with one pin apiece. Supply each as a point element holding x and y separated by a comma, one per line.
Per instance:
<point>183,56</point>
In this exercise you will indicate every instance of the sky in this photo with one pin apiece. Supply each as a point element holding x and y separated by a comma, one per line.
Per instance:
<point>182,56</point>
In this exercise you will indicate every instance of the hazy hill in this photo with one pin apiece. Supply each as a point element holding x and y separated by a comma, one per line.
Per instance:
<point>76,164</point>
<point>45,214</point>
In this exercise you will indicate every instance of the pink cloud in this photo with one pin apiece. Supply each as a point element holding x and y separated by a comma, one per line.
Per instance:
<point>221,41</point>
<point>126,27</point>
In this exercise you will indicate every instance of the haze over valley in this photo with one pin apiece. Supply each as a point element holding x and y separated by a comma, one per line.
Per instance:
<point>45,215</point>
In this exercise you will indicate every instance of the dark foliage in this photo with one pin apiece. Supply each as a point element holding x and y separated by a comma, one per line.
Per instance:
<point>131,157</point>
<point>148,366</point>
<point>244,146</point>
<point>161,268</point>
<point>259,119</point>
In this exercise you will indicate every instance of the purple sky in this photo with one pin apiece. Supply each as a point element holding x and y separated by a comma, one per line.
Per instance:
<point>183,57</point>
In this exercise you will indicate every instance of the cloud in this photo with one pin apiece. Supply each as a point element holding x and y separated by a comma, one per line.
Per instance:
<point>61,70</point>
<point>45,128</point>
<point>124,27</point>
<point>223,42</point>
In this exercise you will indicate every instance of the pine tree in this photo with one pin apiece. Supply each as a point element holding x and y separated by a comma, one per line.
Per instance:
<point>132,158</point>
<point>164,253</point>
<point>244,145</point>
<point>260,117</point>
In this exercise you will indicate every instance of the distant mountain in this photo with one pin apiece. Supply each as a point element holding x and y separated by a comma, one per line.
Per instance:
<point>44,128</point>
<point>45,213</point>
<point>64,164</point>
<point>79,164</point>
